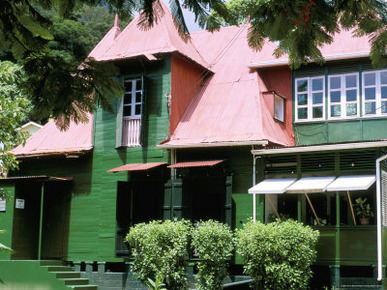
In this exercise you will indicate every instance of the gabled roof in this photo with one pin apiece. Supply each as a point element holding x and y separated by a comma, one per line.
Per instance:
<point>134,41</point>
<point>229,108</point>
<point>50,140</point>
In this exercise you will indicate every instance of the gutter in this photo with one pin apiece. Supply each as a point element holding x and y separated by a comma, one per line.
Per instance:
<point>210,145</point>
<point>327,58</point>
<point>379,218</point>
<point>313,148</point>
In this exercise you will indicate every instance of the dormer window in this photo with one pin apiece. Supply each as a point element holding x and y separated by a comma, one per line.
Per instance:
<point>129,113</point>
<point>279,108</point>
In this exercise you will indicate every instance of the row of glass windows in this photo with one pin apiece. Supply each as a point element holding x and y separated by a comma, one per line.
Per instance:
<point>342,96</point>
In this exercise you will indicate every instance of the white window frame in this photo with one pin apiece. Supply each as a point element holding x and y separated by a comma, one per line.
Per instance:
<point>343,101</point>
<point>132,95</point>
<point>279,108</point>
<point>378,93</point>
<point>309,104</point>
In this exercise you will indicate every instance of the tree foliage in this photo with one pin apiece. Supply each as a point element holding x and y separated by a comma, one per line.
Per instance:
<point>278,255</point>
<point>301,27</point>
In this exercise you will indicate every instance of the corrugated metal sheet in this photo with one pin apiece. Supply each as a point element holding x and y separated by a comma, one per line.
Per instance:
<point>207,163</point>
<point>51,140</point>
<point>229,108</point>
<point>135,41</point>
<point>137,166</point>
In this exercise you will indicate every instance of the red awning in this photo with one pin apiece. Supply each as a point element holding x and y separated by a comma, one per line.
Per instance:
<point>207,163</point>
<point>137,166</point>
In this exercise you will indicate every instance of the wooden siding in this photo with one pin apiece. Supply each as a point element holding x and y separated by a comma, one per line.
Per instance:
<point>186,81</point>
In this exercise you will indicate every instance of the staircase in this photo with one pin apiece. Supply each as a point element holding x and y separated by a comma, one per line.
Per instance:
<point>64,273</point>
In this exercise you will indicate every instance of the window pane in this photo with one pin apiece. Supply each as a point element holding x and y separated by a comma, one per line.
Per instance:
<point>302,85</point>
<point>383,92</point>
<point>138,97</point>
<point>138,110</point>
<point>317,98</point>
<point>369,79</point>
<point>370,108</point>
<point>335,82</point>
<point>128,111</point>
<point>370,94</point>
<point>317,84</point>
<point>317,112</point>
<point>351,109</point>
<point>127,99</point>
<point>383,77</point>
<point>138,85</point>
<point>384,107</point>
<point>302,99</point>
<point>303,113</point>
<point>351,95</point>
<point>350,82</point>
<point>335,97</point>
<point>128,86</point>
<point>336,111</point>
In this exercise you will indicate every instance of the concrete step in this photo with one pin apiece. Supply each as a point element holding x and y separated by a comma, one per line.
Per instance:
<point>51,263</point>
<point>59,268</point>
<point>75,281</point>
<point>68,274</point>
<point>84,287</point>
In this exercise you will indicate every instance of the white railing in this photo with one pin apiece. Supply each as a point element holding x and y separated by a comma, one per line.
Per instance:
<point>131,130</point>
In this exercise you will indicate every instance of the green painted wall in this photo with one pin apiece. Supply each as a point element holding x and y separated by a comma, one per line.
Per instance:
<point>92,230</point>
<point>321,132</point>
<point>6,222</point>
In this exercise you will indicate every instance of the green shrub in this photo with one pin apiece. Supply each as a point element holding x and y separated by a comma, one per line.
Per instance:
<point>160,250</point>
<point>213,243</point>
<point>278,255</point>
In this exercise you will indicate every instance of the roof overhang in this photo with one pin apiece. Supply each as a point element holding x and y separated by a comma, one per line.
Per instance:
<point>278,63</point>
<point>352,182</point>
<point>36,178</point>
<point>325,147</point>
<point>190,164</point>
<point>73,153</point>
<point>214,144</point>
<point>137,167</point>
<point>314,184</point>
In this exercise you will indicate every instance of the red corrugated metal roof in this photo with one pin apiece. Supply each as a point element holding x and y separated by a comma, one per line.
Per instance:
<point>50,140</point>
<point>135,41</point>
<point>207,163</point>
<point>229,107</point>
<point>137,166</point>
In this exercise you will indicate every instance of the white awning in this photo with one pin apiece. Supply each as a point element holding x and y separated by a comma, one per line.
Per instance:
<point>272,186</point>
<point>353,182</point>
<point>310,184</point>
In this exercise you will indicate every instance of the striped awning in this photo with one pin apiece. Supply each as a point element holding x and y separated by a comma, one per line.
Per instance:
<point>137,166</point>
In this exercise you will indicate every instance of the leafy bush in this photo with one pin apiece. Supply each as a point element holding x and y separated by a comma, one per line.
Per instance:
<point>213,243</point>
<point>278,255</point>
<point>160,251</point>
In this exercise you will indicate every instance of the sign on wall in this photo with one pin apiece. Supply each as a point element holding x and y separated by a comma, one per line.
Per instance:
<point>19,203</point>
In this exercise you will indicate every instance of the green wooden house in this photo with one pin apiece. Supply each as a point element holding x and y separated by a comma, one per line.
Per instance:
<point>339,122</point>
<point>203,122</point>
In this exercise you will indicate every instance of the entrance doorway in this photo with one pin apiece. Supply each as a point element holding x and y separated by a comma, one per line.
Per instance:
<point>41,229</point>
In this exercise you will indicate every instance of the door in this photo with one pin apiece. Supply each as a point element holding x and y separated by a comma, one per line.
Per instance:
<point>27,234</point>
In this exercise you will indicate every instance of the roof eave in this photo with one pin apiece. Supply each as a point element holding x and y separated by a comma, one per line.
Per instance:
<point>67,153</point>
<point>215,144</point>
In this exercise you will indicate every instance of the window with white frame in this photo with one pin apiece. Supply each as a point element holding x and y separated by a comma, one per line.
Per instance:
<point>343,96</point>
<point>310,101</point>
<point>279,108</point>
<point>129,113</point>
<point>375,93</point>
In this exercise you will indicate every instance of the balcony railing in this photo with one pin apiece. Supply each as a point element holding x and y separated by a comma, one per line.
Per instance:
<point>131,131</point>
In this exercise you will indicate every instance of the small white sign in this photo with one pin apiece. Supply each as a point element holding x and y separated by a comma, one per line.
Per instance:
<point>2,204</point>
<point>19,203</point>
